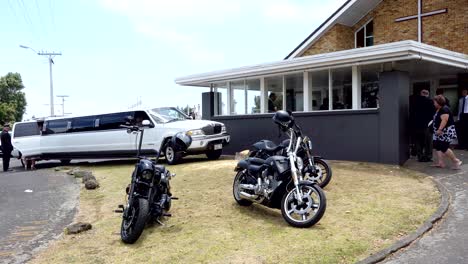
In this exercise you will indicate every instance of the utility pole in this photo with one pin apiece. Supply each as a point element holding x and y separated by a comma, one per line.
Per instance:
<point>63,103</point>
<point>50,56</point>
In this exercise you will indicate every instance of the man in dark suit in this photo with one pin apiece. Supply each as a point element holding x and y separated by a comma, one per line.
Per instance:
<point>7,147</point>
<point>462,132</point>
<point>423,112</point>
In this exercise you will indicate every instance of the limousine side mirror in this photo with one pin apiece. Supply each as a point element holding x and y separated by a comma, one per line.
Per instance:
<point>147,123</point>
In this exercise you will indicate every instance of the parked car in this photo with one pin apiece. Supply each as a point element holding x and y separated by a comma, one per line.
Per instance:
<point>102,136</point>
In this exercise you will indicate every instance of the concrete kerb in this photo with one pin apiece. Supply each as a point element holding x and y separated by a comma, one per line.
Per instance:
<point>407,240</point>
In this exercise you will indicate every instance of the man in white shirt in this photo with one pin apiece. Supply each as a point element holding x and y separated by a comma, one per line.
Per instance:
<point>463,120</point>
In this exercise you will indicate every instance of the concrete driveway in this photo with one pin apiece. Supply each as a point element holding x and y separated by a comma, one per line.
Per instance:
<point>35,206</point>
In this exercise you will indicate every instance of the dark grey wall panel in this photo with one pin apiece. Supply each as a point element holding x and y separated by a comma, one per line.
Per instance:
<point>340,135</point>
<point>394,102</point>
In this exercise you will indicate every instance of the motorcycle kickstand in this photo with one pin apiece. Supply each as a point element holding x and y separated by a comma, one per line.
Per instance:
<point>159,222</point>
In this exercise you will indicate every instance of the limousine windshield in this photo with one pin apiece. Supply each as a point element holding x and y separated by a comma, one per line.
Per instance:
<point>168,114</point>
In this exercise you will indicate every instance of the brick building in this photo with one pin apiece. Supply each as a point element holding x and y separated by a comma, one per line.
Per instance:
<point>350,80</point>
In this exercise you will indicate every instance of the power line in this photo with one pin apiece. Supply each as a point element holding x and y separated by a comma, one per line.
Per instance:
<point>40,18</point>
<point>27,18</point>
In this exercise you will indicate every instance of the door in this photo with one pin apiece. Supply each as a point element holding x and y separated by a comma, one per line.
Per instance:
<point>152,136</point>
<point>26,138</point>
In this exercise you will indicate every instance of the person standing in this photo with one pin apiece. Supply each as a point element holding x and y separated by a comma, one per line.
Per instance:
<point>440,91</point>
<point>423,113</point>
<point>7,147</point>
<point>444,133</point>
<point>271,103</point>
<point>463,120</point>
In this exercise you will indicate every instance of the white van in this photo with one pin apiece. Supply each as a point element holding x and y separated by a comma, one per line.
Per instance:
<point>101,136</point>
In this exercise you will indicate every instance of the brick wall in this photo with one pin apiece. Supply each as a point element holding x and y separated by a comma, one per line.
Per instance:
<point>448,31</point>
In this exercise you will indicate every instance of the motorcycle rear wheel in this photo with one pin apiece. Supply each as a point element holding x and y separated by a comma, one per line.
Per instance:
<point>235,189</point>
<point>133,226</point>
<point>323,168</point>
<point>307,213</point>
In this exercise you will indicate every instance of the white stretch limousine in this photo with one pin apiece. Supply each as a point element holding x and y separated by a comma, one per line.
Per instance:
<point>101,136</point>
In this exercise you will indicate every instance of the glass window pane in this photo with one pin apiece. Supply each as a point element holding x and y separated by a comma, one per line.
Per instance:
<point>274,88</point>
<point>342,88</point>
<point>370,86</point>
<point>238,98</point>
<point>222,98</point>
<point>295,92</point>
<point>113,121</point>
<point>26,129</point>
<point>85,123</point>
<point>57,126</point>
<point>253,96</point>
<point>360,38</point>
<point>319,90</point>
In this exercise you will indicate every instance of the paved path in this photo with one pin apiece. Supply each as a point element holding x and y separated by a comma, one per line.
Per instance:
<point>29,220</point>
<point>447,242</point>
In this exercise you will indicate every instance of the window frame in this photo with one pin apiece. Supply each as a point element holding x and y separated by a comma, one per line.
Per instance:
<point>365,34</point>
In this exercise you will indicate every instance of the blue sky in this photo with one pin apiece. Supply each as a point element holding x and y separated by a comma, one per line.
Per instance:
<point>115,51</point>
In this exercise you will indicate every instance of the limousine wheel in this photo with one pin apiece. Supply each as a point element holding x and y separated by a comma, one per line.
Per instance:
<point>214,154</point>
<point>65,161</point>
<point>172,157</point>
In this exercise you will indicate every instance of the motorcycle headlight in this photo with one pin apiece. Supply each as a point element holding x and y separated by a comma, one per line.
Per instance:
<point>195,132</point>
<point>147,174</point>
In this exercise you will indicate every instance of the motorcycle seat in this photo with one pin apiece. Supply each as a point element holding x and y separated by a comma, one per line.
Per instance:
<point>254,169</point>
<point>270,146</point>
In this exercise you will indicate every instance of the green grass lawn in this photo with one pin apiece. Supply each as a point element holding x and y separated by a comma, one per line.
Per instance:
<point>368,207</point>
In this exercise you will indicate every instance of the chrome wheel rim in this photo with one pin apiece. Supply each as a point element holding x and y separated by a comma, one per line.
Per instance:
<point>169,153</point>
<point>303,209</point>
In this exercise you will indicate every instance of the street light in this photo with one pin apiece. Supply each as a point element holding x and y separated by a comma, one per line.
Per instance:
<point>49,54</point>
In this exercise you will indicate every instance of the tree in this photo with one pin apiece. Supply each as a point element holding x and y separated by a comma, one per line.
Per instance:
<point>12,99</point>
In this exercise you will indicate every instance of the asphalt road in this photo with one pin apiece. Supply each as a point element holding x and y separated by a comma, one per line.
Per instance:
<point>35,206</point>
<point>448,241</point>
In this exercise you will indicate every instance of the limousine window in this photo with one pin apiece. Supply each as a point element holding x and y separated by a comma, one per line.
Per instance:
<point>81,124</point>
<point>170,114</point>
<point>113,121</point>
<point>57,126</point>
<point>26,129</point>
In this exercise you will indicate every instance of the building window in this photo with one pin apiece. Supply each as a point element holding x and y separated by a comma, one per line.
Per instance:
<point>238,98</point>
<point>253,96</point>
<point>294,92</point>
<point>342,88</point>
<point>320,88</point>
<point>221,98</point>
<point>274,88</point>
<point>365,35</point>
<point>370,86</point>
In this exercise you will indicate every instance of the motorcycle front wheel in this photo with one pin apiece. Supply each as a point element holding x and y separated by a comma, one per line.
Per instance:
<point>304,211</point>
<point>133,225</point>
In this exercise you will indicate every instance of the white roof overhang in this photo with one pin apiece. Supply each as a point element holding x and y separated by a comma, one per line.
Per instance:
<point>397,51</point>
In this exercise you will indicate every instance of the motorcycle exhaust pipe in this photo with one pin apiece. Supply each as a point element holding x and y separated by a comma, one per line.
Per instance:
<point>247,196</point>
<point>250,187</point>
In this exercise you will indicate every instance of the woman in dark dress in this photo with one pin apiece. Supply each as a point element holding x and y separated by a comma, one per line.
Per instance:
<point>444,133</point>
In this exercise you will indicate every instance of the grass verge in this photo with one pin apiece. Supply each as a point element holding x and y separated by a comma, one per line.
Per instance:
<point>369,207</point>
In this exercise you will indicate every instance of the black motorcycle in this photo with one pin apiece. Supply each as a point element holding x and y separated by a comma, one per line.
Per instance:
<point>315,168</point>
<point>149,193</point>
<point>278,182</point>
